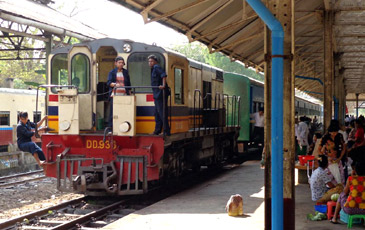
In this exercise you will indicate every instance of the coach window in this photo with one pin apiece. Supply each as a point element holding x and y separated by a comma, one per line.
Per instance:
<point>140,71</point>
<point>59,72</point>
<point>5,118</point>
<point>179,86</point>
<point>80,72</point>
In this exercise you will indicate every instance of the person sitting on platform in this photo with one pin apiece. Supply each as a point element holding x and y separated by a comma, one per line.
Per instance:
<point>320,182</point>
<point>24,134</point>
<point>352,200</point>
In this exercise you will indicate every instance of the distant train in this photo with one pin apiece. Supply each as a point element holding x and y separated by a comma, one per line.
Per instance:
<point>13,101</point>
<point>251,93</point>
<point>86,157</point>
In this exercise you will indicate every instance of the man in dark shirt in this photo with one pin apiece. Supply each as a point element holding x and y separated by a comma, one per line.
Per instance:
<point>158,78</point>
<point>24,134</point>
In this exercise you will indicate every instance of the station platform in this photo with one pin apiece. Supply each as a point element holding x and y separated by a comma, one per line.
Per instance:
<point>203,207</point>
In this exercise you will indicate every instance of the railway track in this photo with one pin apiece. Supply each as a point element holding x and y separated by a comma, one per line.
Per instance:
<point>21,178</point>
<point>89,213</point>
<point>81,213</point>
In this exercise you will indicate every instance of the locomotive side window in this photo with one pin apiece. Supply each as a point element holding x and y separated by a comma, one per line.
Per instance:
<point>80,72</point>
<point>140,72</point>
<point>59,71</point>
<point>5,118</point>
<point>179,86</point>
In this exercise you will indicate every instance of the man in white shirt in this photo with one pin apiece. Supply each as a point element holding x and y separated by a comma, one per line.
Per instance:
<point>302,137</point>
<point>258,132</point>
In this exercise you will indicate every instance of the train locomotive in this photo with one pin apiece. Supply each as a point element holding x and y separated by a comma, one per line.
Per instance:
<point>88,158</point>
<point>208,112</point>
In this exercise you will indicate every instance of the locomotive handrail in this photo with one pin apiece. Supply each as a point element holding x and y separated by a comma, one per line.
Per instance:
<point>194,108</point>
<point>239,111</point>
<point>226,96</point>
<point>215,106</point>
<point>209,106</point>
<point>234,104</point>
<point>36,102</point>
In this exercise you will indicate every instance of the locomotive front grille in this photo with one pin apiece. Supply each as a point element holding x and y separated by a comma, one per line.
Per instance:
<point>139,185</point>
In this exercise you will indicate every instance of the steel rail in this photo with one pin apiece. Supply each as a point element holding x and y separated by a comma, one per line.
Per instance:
<point>89,216</point>
<point>21,182</point>
<point>20,174</point>
<point>13,221</point>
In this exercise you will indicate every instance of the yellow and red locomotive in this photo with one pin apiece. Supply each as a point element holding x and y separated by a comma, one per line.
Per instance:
<point>86,157</point>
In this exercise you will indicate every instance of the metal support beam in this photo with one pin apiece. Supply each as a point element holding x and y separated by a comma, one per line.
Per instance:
<point>310,78</point>
<point>37,37</point>
<point>277,37</point>
<point>328,69</point>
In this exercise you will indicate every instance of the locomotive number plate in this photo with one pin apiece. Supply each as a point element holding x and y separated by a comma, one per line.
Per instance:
<point>95,144</point>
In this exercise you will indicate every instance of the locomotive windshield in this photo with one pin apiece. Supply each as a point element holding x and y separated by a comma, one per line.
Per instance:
<point>59,71</point>
<point>80,72</point>
<point>139,70</point>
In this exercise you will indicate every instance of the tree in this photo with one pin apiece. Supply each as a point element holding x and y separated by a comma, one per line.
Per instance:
<point>200,52</point>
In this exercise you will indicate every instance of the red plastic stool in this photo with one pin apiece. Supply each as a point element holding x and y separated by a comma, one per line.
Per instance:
<point>331,206</point>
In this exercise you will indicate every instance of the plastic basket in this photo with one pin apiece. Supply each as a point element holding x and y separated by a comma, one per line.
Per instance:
<point>321,208</point>
<point>303,160</point>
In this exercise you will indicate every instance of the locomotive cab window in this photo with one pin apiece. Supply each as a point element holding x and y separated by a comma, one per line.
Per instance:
<point>140,71</point>
<point>59,72</point>
<point>179,86</point>
<point>80,73</point>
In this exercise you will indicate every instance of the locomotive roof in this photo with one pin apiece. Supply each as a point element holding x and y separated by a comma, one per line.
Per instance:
<point>117,44</point>
<point>200,65</point>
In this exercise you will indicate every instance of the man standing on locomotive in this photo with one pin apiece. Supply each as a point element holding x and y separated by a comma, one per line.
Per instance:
<point>117,78</point>
<point>24,134</point>
<point>158,78</point>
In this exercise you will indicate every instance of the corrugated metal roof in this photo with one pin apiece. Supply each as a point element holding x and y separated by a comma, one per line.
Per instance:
<point>38,13</point>
<point>231,27</point>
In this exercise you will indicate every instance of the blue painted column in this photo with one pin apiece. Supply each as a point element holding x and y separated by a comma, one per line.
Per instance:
<point>277,38</point>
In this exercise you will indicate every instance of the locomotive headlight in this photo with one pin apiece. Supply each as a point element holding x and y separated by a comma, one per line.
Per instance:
<point>65,125</point>
<point>125,127</point>
<point>127,48</point>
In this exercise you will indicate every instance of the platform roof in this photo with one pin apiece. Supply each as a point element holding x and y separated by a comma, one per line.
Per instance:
<point>231,27</point>
<point>31,13</point>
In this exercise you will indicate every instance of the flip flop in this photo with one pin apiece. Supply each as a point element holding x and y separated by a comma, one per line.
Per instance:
<point>334,222</point>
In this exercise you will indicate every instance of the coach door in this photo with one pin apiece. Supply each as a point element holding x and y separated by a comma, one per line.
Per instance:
<point>79,64</point>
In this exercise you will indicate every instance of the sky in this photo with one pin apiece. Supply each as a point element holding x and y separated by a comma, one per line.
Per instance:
<point>118,22</point>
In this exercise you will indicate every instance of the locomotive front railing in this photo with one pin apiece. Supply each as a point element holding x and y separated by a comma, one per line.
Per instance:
<point>132,187</point>
<point>65,177</point>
